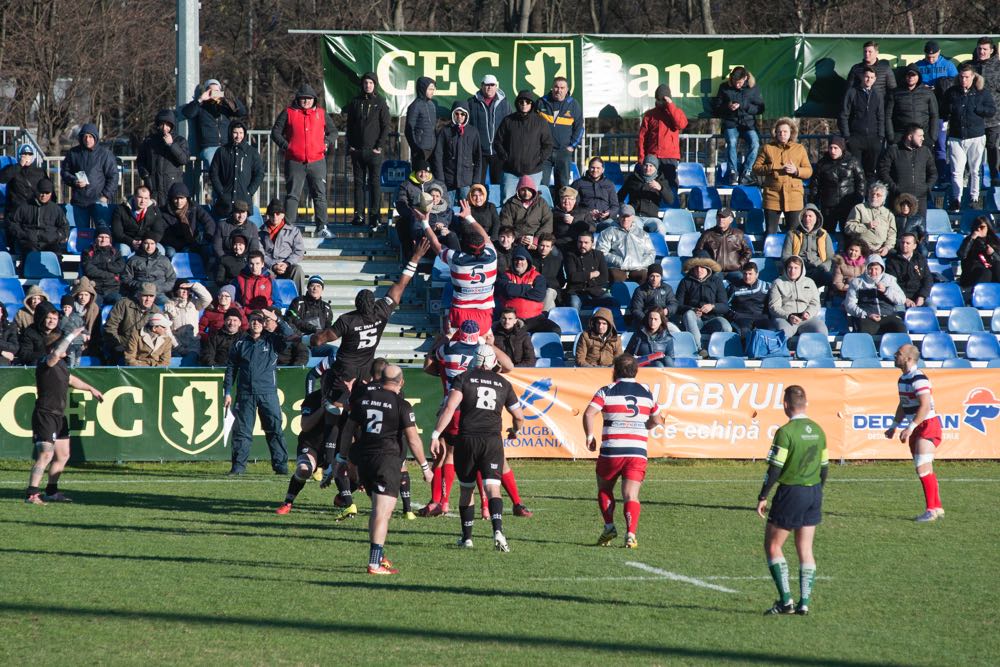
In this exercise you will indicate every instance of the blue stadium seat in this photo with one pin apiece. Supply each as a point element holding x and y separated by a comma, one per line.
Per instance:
<point>992,199</point>
<point>42,264</point>
<point>175,361</point>
<point>982,347</point>
<point>678,221</point>
<point>11,292</point>
<point>494,195</point>
<point>7,265</point>
<point>768,268</point>
<point>835,319</point>
<point>685,362</point>
<point>568,320</point>
<point>613,172</point>
<point>686,244</point>
<point>921,320</point>
<point>574,172</point>
<point>673,268</point>
<point>189,265</point>
<point>993,363</point>
<point>285,292</point>
<point>775,362</point>
<point>80,240</point>
<point>858,346</point>
<point>945,296</point>
<point>659,244</point>
<point>393,173</point>
<point>546,196</point>
<point>548,346</point>
<point>746,198</point>
<point>710,219</point>
<point>626,337</point>
<point>957,362</point>
<point>943,268</point>
<point>754,223</point>
<point>986,296</point>
<point>947,246</point>
<point>446,293</point>
<point>725,344</point>
<point>964,320</point>
<point>54,289</point>
<point>691,175</point>
<point>255,217</point>
<point>938,222</point>
<point>89,361</point>
<point>773,245</point>
<point>731,362</point>
<point>821,362</point>
<point>995,321</point>
<point>702,198</point>
<point>866,363</point>
<point>622,292</point>
<point>105,311</point>
<point>891,342</point>
<point>684,345</point>
<point>813,346</point>
<point>938,347</point>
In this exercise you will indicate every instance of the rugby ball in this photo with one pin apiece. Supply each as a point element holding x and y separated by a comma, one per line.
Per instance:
<point>486,357</point>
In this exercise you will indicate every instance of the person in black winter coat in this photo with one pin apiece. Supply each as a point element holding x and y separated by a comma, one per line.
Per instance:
<point>40,223</point>
<point>908,167</point>
<point>236,222</point>
<point>837,185</point>
<point>162,157</point>
<point>457,158</point>
<point>885,79</point>
<point>104,265</point>
<point>237,170</point>
<point>569,219</point>
<point>702,302</point>
<point>134,218</point>
<point>9,345</point>
<point>862,121</point>
<point>513,339</point>
<point>987,64</point>
<point>421,119</point>
<point>966,108</point>
<point>654,293</point>
<point>586,274</point>
<point>231,264</point>
<point>100,168</point>
<point>548,260</point>
<point>979,254</point>
<point>748,302</point>
<point>484,211</point>
<point>738,103</point>
<point>215,347</point>
<point>487,109</point>
<point>909,266</point>
<point>523,142</point>
<point>597,193</point>
<point>913,103</point>
<point>645,190</point>
<point>31,344</point>
<point>211,110</point>
<point>189,227</point>
<point>309,313</point>
<point>21,178</point>
<point>368,125</point>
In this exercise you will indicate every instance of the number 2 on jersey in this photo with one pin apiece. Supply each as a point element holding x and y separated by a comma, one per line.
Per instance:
<point>374,424</point>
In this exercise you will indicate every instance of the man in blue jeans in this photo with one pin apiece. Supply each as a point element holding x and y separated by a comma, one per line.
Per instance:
<point>738,103</point>
<point>564,115</point>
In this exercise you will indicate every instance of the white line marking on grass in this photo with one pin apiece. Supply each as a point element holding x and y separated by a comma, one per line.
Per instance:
<point>679,577</point>
<point>657,578</point>
<point>74,481</point>
<point>847,480</point>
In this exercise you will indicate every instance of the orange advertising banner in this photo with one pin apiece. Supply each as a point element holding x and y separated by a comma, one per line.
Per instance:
<point>734,414</point>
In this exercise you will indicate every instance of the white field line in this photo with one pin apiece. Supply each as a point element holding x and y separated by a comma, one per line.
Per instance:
<point>72,481</point>
<point>658,578</point>
<point>679,577</point>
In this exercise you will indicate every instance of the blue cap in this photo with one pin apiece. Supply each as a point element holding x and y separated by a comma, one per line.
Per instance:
<point>25,149</point>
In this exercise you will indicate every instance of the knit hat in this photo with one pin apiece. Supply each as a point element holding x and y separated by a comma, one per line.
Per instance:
<point>316,279</point>
<point>932,47</point>
<point>662,90</point>
<point>240,206</point>
<point>418,162</point>
<point>45,185</point>
<point>233,311</point>
<point>654,268</point>
<point>520,252</point>
<point>67,300</point>
<point>469,332</point>
<point>159,320</point>
<point>626,211</point>
<point>230,290</point>
<point>102,229</point>
<point>840,143</point>
<point>275,206</point>
<point>653,160</point>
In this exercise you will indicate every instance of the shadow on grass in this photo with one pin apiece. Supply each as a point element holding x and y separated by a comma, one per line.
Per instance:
<point>656,503</point>
<point>353,631</point>
<point>129,499</point>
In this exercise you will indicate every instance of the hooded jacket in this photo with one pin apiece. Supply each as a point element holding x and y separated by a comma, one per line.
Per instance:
<point>729,248</point>
<point>523,142</point>
<point>907,169</point>
<point>368,120</point>
<point>529,220</point>
<point>22,183</point>
<point>31,343</point>
<point>303,134</point>
<point>595,350</point>
<point>565,120</point>
<point>838,182</point>
<point>127,229</point>
<point>189,229</point>
<point>781,191</point>
<point>160,164</point>
<point>966,111</point>
<point>104,266</point>
<point>791,297</point>
<point>408,195</point>
<point>516,343</point>
<point>215,347</point>
<point>457,158</point>
<point>693,293</point>
<point>862,114</point>
<point>875,228</point>
<point>100,166</point>
<point>659,132</point>
<point>600,194</point>
<point>641,196</point>
<point>148,268</point>
<point>989,69</point>
<point>91,314</point>
<point>814,247</point>
<point>35,225</point>
<point>486,118</point>
<point>8,338</point>
<point>864,297</point>
<point>212,117</point>
<point>748,97</point>
<point>626,250</point>
<point>918,106</point>
<point>421,119</point>
<point>184,318</point>
<point>524,293</point>
<point>26,315</point>
<point>237,170</point>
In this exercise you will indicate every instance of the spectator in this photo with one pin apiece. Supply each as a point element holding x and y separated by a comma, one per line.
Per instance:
<point>128,316</point>
<point>702,303</point>
<point>654,293</point>
<point>487,109</point>
<point>215,346</point>
<point>646,190</point>
<point>213,319</point>
<point>184,308</point>
<point>504,247</point>
<point>627,249</point>
<point>84,296</point>
<point>236,169</point>
<point>308,312</point>
<point>782,166</point>
<point>22,179</point>
<point>408,198</point>
<point>980,254</point>
<point>586,276</point>
<point>304,132</point>
<point>837,185</point>
<point>254,288</point>
<point>862,121</point>
<point>908,168</point>
<point>872,223</point>
<point>9,345</point>
<point>748,302</point>
<point>104,265</point>
<point>510,336</point>
<point>523,288</point>
<point>135,218</point>
<point>885,79</point>
<point>910,221</point>
<point>527,213</point>
<point>457,157</point>
<point>811,243</point>
<point>91,171</point>
<point>523,143</point>
<point>738,103</point>
<point>236,222</point>
<point>31,342</point>
<point>987,65</point>
<point>966,108</point>
<point>187,226</point>
<point>421,119</point>
<point>549,261</point>
<point>25,315</point>
<point>794,301</point>
<point>296,353</point>
<point>212,111</point>
<point>934,66</point>
<point>847,266</point>
<point>234,261</point>
<point>565,117</point>
<point>368,125</point>
<point>148,265</point>
<point>40,223</point>
<point>596,193</point>
<point>726,244</point>
<point>659,134</point>
<point>150,346</point>
<point>484,211</point>
<point>909,267</point>
<point>282,246</point>
<point>600,343</point>
<point>162,157</point>
<point>447,226</point>
<point>872,300</point>
<point>570,218</point>
<point>69,322</point>
<point>913,103</point>
<point>653,337</point>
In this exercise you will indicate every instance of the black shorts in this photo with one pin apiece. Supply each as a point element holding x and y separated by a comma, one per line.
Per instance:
<point>48,426</point>
<point>476,454</point>
<point>379,472</point>
<point>797,506</point>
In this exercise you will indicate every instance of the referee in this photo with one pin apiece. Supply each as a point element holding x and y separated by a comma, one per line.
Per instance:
<point>48,420</point>
<point>798,461</point>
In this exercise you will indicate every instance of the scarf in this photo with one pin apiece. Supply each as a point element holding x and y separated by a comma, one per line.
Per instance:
<point>273,232</point>
<point>860,261</point>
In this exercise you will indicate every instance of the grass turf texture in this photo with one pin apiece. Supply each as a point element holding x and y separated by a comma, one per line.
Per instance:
<point>171,563</point>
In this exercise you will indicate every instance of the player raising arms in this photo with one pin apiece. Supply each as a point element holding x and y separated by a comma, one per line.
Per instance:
<point>629,411</point>
<point>923,432</point>
<point>798,462</point>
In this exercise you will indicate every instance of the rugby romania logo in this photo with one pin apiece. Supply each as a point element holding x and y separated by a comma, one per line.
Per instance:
<point>537,393</point>
<point>981,405</point>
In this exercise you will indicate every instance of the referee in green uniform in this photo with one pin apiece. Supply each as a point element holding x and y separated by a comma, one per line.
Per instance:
<point>798,462</point>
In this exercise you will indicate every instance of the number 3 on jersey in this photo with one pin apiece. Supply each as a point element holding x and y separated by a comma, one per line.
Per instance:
<point>368,338</point>
<point>486,398</point>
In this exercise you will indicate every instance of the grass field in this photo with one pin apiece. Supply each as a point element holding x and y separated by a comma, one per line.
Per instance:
<point>175,564</point>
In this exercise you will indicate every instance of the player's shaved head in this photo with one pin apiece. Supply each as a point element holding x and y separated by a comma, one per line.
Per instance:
<point>909,351</point>
<point>392,374</point>
<point>795,397</point>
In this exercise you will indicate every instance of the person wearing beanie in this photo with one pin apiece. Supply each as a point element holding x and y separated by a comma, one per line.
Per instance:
<point>233,262</point>
<point>457,157</point>
<point>627,249</point>
<point>213,318</point>
<point>236,170</point>
<point>487,109</point>
<point>565,118</point>
<point>163,155</point>
<point>305,133</point>
<point>211,111</point>
<point>659,134</point>
<point>409,196</point>
<point>39,223</point>
<point>646,190</point>
<point>368,125</point>
<point>421,119</point>
<point>738,103</point>
<point>308,312</point>
<point>91,172</point>
<point>873,299</point>
<point>654,293</point>
<point>215,346</point>
<point>188,226</point>
<point>72,320</point>
<point>523,143</point>
<point>21,178</point>
<point>908,167</point>
<point>837,185</point>
<point>282,246</point>
<point>104,265</point>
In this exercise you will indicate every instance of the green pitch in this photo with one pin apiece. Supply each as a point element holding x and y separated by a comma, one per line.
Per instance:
<point>174,564</point>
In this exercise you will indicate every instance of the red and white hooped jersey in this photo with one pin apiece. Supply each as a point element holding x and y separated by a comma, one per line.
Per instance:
<point>626,406</point>
<point>472,278</point>
<point>454,358</point>
<point>911,385</point>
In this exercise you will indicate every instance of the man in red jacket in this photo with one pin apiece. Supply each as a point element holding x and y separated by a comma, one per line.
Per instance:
<point>254,286</point>
<point>659,134</point>
<point>522,288</point>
